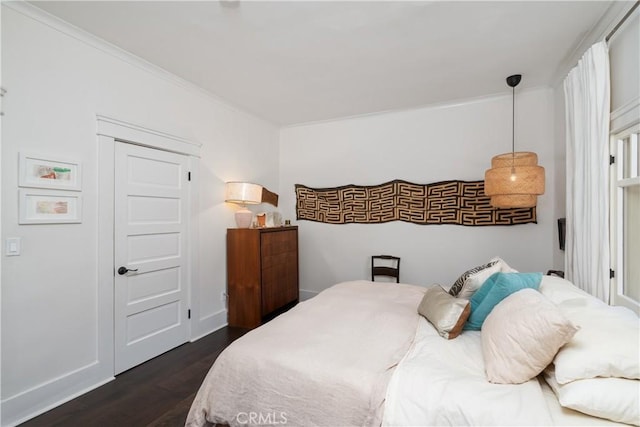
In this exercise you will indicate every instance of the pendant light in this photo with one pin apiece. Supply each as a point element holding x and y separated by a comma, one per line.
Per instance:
<point>515,180</point>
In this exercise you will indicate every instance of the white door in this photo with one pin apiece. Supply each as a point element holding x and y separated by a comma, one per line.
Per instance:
<point>151,212</point>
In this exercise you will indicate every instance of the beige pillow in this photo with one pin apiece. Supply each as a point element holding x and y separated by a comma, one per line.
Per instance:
<point>445,312</point>
<point>521,336</point>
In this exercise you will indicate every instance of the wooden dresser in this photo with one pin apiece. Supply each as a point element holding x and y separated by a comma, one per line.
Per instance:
<point>262,272</point>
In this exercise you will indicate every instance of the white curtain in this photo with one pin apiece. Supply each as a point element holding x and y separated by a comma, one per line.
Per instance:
<point>586,91</point>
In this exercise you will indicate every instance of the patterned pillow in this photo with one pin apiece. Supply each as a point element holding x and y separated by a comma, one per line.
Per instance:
<point>458,284</point>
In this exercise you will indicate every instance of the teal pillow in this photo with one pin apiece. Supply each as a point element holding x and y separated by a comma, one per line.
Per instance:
<point>496,288</point>
<point>482,292</point>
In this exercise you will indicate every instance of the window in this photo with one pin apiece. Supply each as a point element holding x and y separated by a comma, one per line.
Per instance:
<point>625,219</point>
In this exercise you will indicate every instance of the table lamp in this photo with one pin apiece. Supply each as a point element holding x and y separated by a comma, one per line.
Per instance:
<point>243,194</point>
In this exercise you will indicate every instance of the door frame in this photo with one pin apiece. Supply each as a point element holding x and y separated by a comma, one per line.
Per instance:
<point>110,131</point>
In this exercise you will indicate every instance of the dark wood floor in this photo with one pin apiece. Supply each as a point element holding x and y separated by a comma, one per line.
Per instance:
<point>156,393</point>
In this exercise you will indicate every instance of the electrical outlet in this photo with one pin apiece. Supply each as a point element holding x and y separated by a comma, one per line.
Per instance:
<point>223,298</point>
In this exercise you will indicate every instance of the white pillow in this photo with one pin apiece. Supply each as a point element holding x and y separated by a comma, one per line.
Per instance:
<point>559,290</point>
<point>616,399</point>
<point>607,344</point>
<point>521,336</point>
<point>504,267</point>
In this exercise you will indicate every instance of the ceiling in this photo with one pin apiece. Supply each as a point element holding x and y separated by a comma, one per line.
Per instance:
<point>302,61</point>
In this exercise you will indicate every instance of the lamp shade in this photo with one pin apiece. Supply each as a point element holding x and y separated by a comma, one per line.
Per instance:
<point>515,180</point>
<point>244,193</point>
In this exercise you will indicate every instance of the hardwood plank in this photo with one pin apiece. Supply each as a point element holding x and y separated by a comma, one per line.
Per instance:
<point>157,393</point>
<point>176,416</point>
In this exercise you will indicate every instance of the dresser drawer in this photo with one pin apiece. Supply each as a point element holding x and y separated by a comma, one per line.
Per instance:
<point>274,243</point>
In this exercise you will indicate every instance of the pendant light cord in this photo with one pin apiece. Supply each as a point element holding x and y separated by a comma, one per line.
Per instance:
<point>513,134</point>
<point>513,123</point>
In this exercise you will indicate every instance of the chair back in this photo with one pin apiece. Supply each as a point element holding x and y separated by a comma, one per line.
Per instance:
<point>385,265</point>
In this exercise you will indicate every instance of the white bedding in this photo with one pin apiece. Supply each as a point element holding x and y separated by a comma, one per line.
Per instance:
<point>568,417</point>
<point>358,354</point>
<point>325,362</point>
<point>442,382</point>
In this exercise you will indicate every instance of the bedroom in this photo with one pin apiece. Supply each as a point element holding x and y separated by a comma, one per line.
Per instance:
<point>59,78</point>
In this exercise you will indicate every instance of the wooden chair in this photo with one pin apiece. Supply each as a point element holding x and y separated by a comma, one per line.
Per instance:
<point>385,270</point>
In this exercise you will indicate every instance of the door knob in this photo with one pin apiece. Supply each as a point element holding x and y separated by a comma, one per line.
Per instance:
<point>124,270</point>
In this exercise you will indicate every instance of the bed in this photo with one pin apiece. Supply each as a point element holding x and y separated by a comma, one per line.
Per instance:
<point>359,353</point>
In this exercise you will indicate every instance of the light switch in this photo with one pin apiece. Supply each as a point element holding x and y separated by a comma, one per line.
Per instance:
<point>12,247</point>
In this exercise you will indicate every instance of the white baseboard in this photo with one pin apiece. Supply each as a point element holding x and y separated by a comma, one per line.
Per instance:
<point>43,397</point>
<point>209,324</point>
<point>305,295</point>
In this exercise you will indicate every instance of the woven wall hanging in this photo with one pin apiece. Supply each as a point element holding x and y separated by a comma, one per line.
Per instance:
<point>446,202</point>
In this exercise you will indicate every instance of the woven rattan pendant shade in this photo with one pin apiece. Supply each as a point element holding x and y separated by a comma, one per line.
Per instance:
<point>515,180</point>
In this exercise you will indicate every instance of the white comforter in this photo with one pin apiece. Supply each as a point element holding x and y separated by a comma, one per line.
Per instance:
<point>442,382</point>
<point>329,360</point>
<point>325,362</point>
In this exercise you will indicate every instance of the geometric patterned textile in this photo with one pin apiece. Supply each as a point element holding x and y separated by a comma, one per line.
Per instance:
<point>446,202</point>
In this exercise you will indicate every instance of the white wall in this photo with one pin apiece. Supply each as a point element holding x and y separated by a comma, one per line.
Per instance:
<point>0,219</point>
<point>624,56</point>
<point>56,84</point>
<point>423,145</point>
<point>560,158</point>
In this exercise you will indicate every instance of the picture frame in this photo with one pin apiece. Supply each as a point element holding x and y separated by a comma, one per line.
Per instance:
<point>41,206</point>
<point>37,171</point>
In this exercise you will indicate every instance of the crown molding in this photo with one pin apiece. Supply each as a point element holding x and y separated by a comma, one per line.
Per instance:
<point>605,24</point>
<point>102,45</point>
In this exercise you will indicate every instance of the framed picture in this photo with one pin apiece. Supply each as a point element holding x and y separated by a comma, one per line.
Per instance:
<point>45,172</point>
<point>49,207</point>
